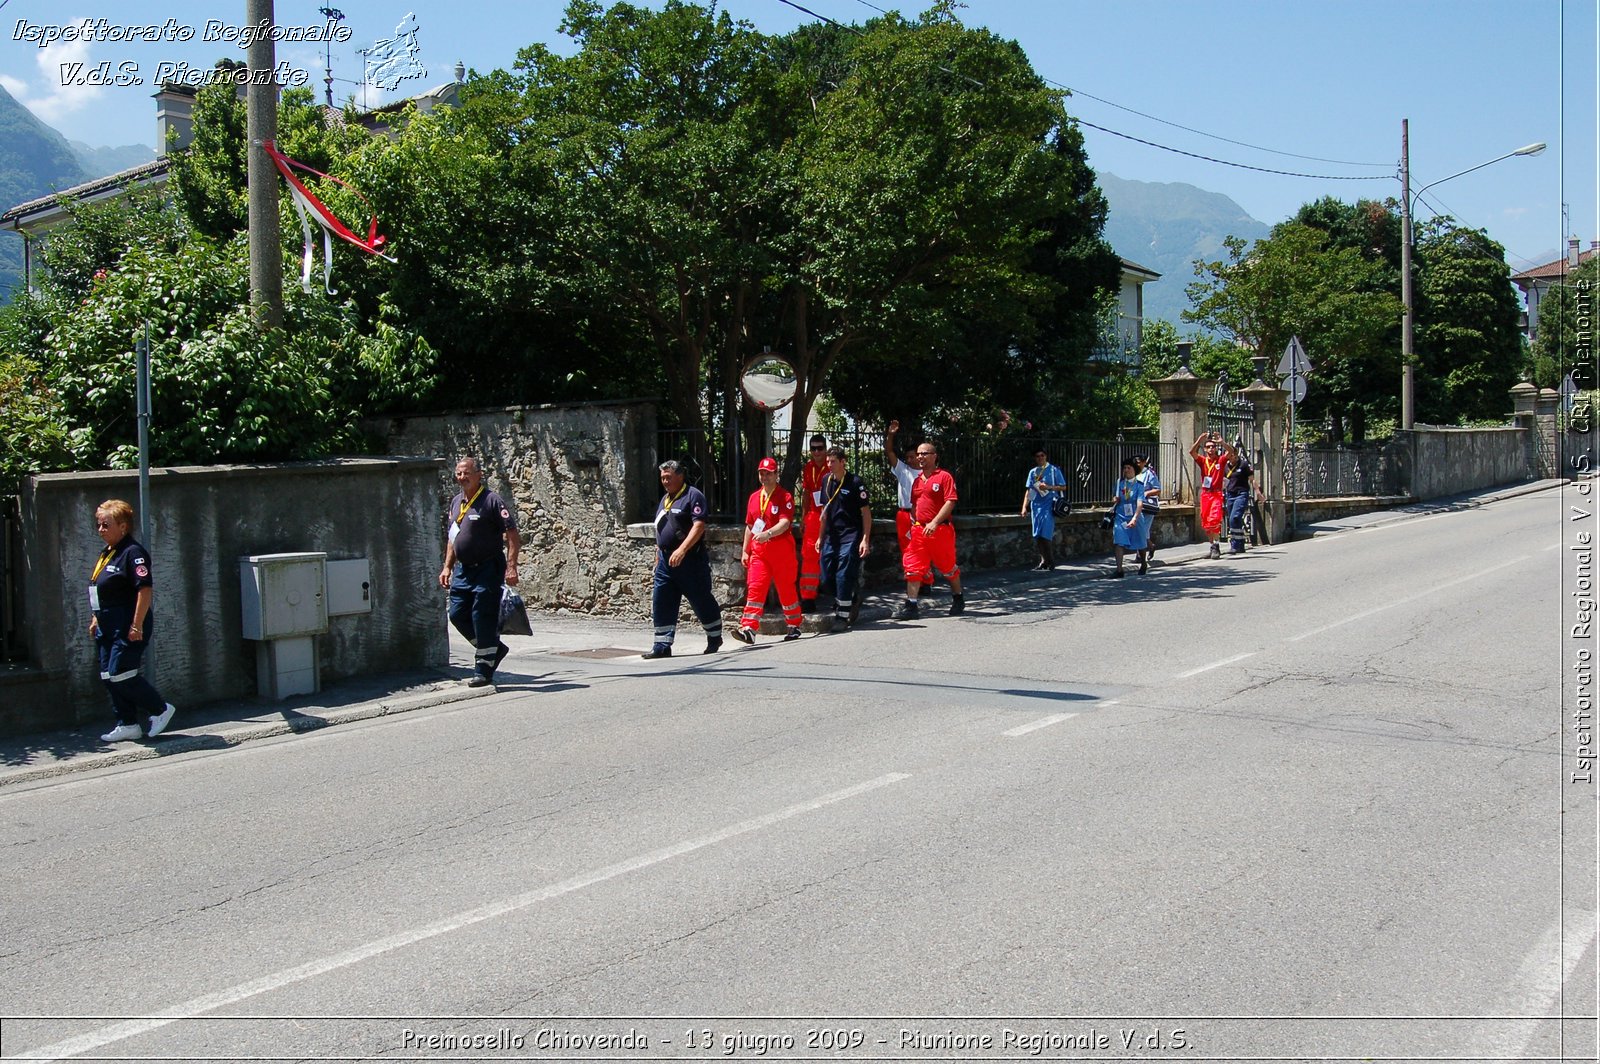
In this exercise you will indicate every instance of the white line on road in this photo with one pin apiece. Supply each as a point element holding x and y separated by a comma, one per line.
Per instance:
<point>1213,665</point>
<point>300,973</point>
<point>1537,987</point>
<point>1024,729</point>
<point>1410,598</point>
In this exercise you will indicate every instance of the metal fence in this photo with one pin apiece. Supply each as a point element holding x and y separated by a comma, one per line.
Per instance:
<point>990,472</point>
<point>1313,472</point>
<point>11,643</point>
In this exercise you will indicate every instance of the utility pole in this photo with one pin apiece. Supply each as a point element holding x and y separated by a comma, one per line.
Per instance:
<point>261,104</point>
<point>1408,381</point>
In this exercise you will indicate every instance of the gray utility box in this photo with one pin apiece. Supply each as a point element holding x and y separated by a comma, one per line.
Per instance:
<point>284,606</point>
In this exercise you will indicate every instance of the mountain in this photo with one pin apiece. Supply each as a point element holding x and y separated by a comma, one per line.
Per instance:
<point>97,162</point>
<point>34,161</point>
<point>1166,227</point>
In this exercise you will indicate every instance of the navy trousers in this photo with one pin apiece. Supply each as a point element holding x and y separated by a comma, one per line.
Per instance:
<point>671,585</point>
<point>475,609</point>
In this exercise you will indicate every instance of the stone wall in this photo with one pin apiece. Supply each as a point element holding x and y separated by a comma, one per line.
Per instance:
<point>1449,461</point>
<point>205,519</point>
<point>577,474</point>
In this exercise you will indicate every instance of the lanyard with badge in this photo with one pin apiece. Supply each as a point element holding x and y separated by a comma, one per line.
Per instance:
<point>666,504</point>
<point>455,526</point>
<point>100,567</point>
<point>761,513</point>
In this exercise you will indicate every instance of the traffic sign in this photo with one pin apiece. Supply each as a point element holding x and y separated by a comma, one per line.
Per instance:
<point>1296,385</point>
<point>1294,360</point>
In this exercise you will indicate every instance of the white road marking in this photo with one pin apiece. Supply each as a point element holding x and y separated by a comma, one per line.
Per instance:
<point>312,969</point>
<point>1536,990</point>
<point>1213,665</point>
<point>1024,729</point>
<point>1409,598</point>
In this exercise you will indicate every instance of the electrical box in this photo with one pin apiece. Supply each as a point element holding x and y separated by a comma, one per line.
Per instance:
<point>283,595</point>
<point>349,587</point>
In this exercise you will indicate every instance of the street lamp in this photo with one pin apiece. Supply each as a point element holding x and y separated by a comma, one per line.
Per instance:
<point>1408,393</point>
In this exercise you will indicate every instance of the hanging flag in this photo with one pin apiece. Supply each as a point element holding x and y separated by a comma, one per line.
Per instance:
<point>309,206</point>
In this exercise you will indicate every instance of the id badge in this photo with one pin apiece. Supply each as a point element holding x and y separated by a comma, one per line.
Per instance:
<point>816,498</point>
<point>1205,484</point>
<point>94,598</point>
<point>454,530</point>
<point>759,527</point>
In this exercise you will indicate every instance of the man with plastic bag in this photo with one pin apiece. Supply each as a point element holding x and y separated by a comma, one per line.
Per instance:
<point>480,558</point>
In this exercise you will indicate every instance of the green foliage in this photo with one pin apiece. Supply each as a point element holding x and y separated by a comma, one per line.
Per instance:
<point>1560,345</point>
<point>1469,345</point>
<point>1333,298</point>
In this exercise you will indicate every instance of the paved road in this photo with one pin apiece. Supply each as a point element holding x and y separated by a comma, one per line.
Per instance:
<point>1311,804</point>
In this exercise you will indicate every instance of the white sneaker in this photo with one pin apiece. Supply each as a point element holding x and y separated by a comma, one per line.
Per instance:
<point>122,733</point>
<point>159,724</point>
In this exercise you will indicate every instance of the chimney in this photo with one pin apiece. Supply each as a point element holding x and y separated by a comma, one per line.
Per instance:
<point>174,118</point>
<point>1573,243</point>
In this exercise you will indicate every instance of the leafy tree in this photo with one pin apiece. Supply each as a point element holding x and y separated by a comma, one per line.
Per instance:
<point>1469,346</point>
<point>1293,284</point>
<point>1558,338</point>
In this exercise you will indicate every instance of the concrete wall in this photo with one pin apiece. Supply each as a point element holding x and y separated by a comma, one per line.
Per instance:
<point>386,510</point>
<point>576,474</point>
<point>1446,461</point>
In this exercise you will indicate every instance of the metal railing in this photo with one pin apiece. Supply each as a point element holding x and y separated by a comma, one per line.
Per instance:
<point>1319,472</point>
<point>990,472</point>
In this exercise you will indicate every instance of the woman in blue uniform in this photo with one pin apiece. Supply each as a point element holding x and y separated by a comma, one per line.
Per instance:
<point>120,594</point>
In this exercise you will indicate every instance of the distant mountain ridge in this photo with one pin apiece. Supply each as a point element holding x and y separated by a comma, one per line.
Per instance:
<point>1166,226</point>
<point>97,162</point>
<point>35,160</point>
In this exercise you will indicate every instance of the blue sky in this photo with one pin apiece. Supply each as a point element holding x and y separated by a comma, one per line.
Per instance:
<point>1306,86</point>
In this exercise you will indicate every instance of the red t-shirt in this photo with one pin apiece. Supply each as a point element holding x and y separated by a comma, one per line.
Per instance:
<point>1211,469</point>
<point>769,510</point>
<point>811,475</point>
<point>929,493</point>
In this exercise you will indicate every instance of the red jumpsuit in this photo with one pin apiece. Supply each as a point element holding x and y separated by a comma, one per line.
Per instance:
<point>811,475</point>
<point>938,551</point>
<point>771,562</point>
<point>1211,479</point>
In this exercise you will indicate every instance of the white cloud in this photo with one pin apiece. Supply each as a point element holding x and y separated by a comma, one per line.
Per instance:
<point>56,100</point>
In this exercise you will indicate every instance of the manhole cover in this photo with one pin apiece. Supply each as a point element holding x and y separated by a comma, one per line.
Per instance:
<point>600,652</point>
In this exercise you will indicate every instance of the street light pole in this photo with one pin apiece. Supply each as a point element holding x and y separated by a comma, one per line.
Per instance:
<point>1408,329</point>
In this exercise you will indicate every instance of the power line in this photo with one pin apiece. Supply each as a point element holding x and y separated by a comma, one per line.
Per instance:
<point>1151,143</point>
<point>1242,166</point>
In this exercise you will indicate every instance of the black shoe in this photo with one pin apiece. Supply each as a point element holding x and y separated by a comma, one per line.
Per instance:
<point>906,611</point>
<point>479,680</point>
<point>1118,575</point>
<point>958,605</point>
<point>712,645</point>
<point>745,635</point>
<point>657,651</point>
<point>792,634</point>
<point>1144,567</point>
<point>1041,567</point>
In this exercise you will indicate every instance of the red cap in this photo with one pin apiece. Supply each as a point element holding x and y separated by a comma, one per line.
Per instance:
<point>768,465</point>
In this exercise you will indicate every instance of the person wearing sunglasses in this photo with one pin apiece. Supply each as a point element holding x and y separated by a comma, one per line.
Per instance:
<point>811,475</point>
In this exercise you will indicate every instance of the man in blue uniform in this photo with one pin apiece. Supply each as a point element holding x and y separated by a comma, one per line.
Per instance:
<point>683,565</point>
<point>845,537</point>
<point>480,557</point>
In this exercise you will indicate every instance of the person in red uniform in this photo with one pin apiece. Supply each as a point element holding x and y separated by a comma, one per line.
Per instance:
<point>932,543</point>
<point>768,554</point>
<point>1212,454</point>
<point>811,475</point>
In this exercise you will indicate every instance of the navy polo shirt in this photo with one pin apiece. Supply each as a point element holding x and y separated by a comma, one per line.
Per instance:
<point>127,569</point>
<point>480,531</point>
<point>676,517</point>
<point>843,502</point>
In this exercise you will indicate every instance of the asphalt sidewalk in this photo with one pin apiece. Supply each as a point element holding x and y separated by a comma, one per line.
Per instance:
<point>225,724</point>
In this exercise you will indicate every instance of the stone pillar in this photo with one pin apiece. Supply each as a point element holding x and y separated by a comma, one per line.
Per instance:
<point>1544,416</point>
<point>1272,430</point>
<point>1524,400</point>
<point>1185,402</point>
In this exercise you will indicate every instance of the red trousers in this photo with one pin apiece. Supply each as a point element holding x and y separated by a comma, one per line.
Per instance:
<point>810,557</point>
<point>771,566</point>
<point>902,529</point>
